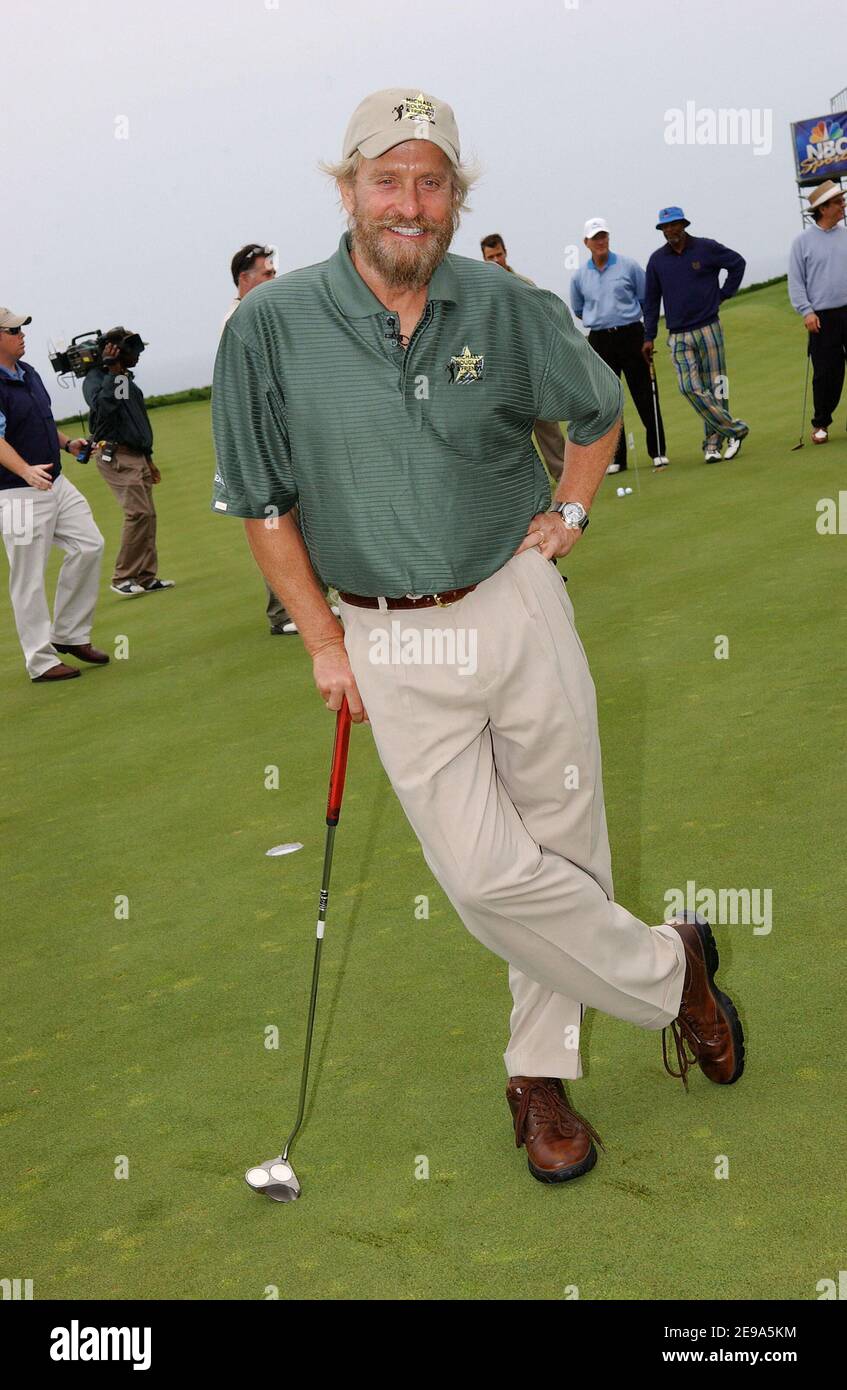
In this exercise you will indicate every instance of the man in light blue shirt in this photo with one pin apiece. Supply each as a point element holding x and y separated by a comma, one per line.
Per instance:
<point>607,294</point>
<point>817,287</point>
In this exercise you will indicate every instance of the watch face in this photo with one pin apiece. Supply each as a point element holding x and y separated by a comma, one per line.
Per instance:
<point>573,514</point>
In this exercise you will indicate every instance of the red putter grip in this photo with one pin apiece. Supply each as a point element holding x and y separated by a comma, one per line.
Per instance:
<point>339,764</point>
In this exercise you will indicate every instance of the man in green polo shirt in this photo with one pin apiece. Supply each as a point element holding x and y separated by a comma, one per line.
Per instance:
<point>390,393</point>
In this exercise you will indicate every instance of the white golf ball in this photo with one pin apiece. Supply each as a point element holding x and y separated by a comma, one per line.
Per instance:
<point>620,492</point>
<point>627,490</point>
<point>280,1172</point>
<point>258,1177</point>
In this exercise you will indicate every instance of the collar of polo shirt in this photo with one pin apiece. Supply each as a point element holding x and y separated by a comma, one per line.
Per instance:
<point>357,301</point>
<point>610,260</point>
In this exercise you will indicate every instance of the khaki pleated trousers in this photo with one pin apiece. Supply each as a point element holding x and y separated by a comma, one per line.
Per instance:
<point>484,717</point>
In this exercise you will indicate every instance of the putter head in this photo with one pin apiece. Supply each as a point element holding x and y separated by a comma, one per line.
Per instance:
<point>275,1179</point>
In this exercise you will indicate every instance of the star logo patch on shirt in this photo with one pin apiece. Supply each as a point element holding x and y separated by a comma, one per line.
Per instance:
<point>468,366</point>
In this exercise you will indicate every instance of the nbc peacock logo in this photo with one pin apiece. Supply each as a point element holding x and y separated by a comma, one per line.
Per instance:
<point>827,144</point>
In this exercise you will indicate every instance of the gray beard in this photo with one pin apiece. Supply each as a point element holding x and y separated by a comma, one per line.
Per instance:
<point>401,269</point>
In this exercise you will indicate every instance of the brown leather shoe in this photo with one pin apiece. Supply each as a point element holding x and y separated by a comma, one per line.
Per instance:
<point>707,1019</point>
<point>558,1140</point>
<point>58,673</point>
<point>85,653</point>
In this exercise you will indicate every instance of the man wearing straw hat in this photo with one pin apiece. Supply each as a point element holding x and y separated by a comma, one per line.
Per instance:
<point>817,287</point>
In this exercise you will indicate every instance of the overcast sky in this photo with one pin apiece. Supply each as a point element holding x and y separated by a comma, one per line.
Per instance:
<point>230,103</point>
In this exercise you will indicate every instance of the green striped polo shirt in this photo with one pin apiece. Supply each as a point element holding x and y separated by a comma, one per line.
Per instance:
<point>413,470</point>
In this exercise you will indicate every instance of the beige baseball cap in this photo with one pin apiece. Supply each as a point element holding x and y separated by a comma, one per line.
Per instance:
<point>8,319</point>
<point>385,119</point>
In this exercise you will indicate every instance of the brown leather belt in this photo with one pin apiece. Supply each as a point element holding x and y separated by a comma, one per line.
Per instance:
<point>442,600</point>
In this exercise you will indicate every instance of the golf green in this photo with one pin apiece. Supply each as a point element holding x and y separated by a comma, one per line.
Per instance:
<point>149,944</point>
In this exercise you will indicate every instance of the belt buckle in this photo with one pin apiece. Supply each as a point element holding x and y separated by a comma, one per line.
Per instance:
<point>440,601</point>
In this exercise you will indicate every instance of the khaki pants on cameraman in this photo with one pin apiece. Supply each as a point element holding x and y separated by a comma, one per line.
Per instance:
<point>131,480</point>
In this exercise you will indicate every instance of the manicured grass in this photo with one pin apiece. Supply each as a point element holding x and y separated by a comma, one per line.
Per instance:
<point>144,1037</point>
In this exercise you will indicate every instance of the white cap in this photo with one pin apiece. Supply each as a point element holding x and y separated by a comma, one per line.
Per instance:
<point>595,225</point>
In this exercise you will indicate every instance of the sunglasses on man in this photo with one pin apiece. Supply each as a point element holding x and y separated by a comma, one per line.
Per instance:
<point>14,331</point>
<point>248,259</point>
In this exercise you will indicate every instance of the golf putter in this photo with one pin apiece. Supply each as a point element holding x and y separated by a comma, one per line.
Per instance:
<point>799,445</point>
<point>276,1177</point>
<point>655,394</point>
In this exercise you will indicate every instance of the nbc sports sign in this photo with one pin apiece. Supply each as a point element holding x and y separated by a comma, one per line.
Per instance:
<point>820,146</point>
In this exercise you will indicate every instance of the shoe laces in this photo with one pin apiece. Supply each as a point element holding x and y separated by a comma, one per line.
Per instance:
<point>682,1032</point>
<point>549,1107</point>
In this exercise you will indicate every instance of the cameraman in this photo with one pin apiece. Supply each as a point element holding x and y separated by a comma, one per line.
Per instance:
<point>40,508</point>
<point>124,454</point>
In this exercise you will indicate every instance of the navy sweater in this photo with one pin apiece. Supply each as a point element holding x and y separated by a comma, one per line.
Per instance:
<point>688,283</point>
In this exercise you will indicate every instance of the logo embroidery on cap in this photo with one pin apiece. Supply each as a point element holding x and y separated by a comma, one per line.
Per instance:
<point>468,366</point>
<point>417,108</point>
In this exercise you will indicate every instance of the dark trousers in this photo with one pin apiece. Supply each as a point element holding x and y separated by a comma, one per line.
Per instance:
<point>276,609</point>
<point>828,351</point>
<point>620,349</point>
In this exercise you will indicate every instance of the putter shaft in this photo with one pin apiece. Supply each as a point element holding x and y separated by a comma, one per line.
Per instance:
<point>335,794</point>
<point>313,998</point>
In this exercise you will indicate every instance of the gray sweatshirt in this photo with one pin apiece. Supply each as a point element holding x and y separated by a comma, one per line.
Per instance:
<point>817,270</point>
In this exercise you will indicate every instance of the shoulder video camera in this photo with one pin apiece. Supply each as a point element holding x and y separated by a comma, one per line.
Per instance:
<point>86,351</point>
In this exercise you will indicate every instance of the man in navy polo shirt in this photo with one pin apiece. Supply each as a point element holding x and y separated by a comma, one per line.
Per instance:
<point>685,274</point>
<point>40,508</point>
<point>607,294</point>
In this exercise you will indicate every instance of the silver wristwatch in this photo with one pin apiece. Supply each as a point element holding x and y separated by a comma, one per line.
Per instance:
<point>573,514</point>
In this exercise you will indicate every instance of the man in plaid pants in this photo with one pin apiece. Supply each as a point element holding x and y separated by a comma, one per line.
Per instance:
<point>685,274</point>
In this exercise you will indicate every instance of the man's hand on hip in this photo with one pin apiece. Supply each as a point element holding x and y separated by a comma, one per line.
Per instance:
<point>547,531</point>
<point>40,476</point>
<point>334,679</point>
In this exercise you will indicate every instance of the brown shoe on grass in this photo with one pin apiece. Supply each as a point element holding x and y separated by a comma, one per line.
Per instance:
<point>558,1141</point>
<point>708,1021</point>
<point>58,673</point>
<point>85,652</point>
